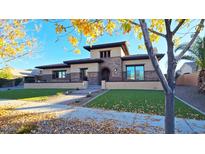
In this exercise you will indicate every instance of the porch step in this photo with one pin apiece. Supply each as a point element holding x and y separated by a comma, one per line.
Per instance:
<point>94,87</point>
<point>90,89</point>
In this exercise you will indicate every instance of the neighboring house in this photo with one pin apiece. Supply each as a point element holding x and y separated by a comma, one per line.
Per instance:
<point>187,68</point>
<point>18,78</point>
<point>110,62</point>
<point>187,75</point>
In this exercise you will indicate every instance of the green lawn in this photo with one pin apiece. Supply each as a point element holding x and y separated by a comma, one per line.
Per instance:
<point>30,94</point>
<point>142,101</point>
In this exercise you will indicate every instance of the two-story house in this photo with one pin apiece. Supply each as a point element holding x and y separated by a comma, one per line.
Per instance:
<point>110,62</point>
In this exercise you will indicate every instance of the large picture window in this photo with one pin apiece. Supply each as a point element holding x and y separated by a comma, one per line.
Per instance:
<point>135,72</point>
<point>59,74</point>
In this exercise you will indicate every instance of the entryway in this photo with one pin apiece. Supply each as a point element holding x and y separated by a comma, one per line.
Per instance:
<point>105,74</point>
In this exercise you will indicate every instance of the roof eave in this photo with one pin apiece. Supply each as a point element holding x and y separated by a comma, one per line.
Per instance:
<point>83,61</point>
<point>159,56</point>
<point>109,45</point>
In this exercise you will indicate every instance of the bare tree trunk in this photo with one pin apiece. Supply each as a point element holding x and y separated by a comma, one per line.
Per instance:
<point>169,96</point>
<point>169,113</point>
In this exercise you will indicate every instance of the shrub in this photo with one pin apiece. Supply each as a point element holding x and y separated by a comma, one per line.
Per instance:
<point>26,129</point>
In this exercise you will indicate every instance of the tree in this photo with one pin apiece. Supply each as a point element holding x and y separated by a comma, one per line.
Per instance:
<point>14,41</point>
<point>197,54</point>
<point>6,73</point>
<point>148,30</point>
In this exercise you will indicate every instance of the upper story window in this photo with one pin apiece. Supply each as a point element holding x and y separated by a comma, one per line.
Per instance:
<point>59,74</point>
<point>105,54</point>
<point>135,72</point>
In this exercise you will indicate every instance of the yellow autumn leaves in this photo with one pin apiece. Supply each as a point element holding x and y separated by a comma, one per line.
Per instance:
<point>60,28</point>
<point>6,73</point>
<point>92,29</point>
<point>74,42</point>
<point>13,38</point>
<point>110,27</point>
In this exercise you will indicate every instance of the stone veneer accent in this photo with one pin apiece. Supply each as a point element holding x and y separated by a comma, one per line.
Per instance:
<point>112,64</point>
<point>75,77</point>
<point>151,76</point>
<point>93,78</point>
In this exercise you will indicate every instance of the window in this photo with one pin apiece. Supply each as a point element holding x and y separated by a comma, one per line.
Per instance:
<point>135,72</point>
<point>84,74</point>
<point>60,74</point>
<point>104,54</point>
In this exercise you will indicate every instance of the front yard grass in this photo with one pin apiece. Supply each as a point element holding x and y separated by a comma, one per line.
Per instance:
<point>30,94</point>
<point>142,101</point>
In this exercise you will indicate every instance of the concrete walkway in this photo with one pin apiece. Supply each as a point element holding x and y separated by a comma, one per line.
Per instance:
<point>142,122</point>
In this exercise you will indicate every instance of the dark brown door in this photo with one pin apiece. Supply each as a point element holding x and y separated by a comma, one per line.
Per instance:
<point>105,74</point>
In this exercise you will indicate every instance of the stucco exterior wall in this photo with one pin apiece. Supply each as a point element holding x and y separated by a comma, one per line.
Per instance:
<point>147,64</point>
<point>154,85</point>
<point>115,52</point>
<point>81,85</point>
<point>188,79</point>
<point>92,67</point>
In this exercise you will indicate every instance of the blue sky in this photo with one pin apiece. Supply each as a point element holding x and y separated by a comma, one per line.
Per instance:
<point>50,51</point>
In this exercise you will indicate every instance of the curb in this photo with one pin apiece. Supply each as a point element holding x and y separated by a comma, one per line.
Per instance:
<point>95,98</point>
<point>190,105</point>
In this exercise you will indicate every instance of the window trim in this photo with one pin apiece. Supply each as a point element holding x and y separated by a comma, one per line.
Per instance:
<point>54,76</point>
<point>135,72</point>
<point>105,54</point>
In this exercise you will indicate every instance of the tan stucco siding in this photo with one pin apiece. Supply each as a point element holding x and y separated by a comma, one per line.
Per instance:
<point>146,62</point>
<point>49,71</point>
<point>92,67</point>
<point>115,52</point>
<point>132,85</point>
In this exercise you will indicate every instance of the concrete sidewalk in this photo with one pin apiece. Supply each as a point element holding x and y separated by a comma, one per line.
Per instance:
<point>142,122</point>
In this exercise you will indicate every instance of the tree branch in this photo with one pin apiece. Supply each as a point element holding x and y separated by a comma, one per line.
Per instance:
<point>178,26</point>
<point>187,47</point>
<point>149,29</point>
<point>152,56</point>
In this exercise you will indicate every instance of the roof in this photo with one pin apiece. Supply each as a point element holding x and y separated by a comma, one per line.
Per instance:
<point>83,61</point>
<point>191,64</point>
<point>109,45</point>
<point>20,72</point>
<point>141,56</point>
<point>53,66</point>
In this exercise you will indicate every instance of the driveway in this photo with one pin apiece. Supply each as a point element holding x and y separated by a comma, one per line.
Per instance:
<point>190,95</point>
<point>143,123</point>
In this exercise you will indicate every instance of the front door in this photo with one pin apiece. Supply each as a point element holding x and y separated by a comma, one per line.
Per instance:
<point>84,74</point>
<point>105,74</point>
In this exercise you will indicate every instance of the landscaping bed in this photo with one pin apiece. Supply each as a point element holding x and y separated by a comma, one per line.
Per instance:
<point>31,94</point>
<point>142,101</point>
